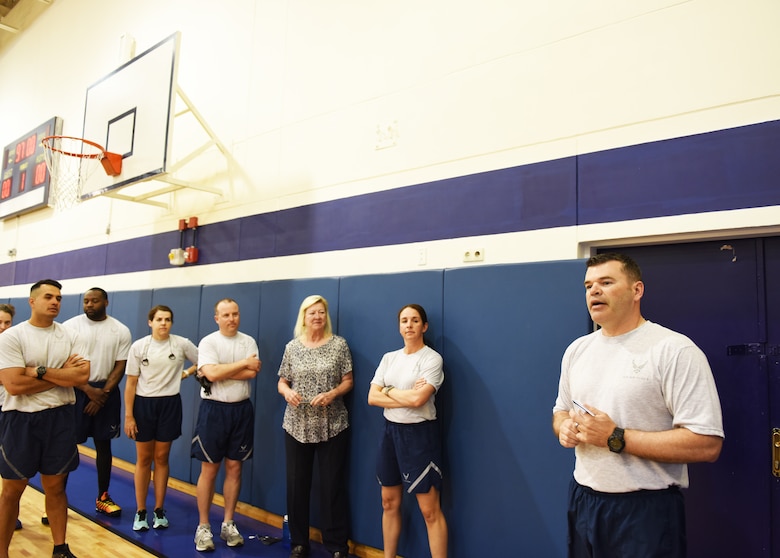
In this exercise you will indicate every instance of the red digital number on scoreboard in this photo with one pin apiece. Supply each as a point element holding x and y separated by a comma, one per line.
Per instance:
<point>40,174</point>
<point>25,148</point>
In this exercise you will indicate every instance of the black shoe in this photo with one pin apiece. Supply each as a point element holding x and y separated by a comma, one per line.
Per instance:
<point>63,553</point>
<point>299,551</point>
<point>339,554</point>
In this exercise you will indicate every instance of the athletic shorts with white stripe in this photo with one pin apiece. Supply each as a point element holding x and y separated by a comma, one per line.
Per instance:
<point>410,454</point>
<point>224,430</point>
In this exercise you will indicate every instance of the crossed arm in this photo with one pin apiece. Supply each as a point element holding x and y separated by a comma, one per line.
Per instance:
<point>244,369</point>
<point>24,380</point>
<point>393,398</point>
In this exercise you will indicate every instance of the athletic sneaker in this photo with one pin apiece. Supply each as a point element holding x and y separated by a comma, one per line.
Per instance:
<point>107,506</point>
<point>229,533</point>
<point>63,552</point>
<point>140,523</point>
<point>160,521</point>
<point>204,540</point>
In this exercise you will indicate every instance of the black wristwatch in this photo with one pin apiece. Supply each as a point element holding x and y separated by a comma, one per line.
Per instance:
<point>41,370</point>
<point>616,442</point>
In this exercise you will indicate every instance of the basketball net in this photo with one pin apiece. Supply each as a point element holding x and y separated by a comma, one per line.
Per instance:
<point>71,161</point>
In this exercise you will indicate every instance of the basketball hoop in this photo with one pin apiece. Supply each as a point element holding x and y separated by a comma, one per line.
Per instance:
<point>71,161</point>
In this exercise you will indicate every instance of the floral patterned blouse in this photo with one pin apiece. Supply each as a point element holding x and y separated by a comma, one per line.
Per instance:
<point>311,372</point>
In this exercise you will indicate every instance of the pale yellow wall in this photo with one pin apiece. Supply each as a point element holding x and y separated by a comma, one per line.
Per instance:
<point>297,88</point>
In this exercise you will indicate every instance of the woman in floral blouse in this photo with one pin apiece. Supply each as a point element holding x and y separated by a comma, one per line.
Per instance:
<point>315,373</point>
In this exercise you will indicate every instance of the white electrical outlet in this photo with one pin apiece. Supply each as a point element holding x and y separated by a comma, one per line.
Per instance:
<point>422,256</point>
<point>474,255</point>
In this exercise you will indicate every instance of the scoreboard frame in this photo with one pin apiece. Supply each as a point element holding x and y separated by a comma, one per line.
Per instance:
<point>26,182</point>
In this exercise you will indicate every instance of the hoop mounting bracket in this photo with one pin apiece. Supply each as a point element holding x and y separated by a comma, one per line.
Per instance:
<point>112,163</point>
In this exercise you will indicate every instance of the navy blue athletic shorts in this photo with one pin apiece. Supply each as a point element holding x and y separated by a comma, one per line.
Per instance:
<point>157,418</point>
<point>224,430</point>
<point>106,423</point>
<point>410,454</point>
<point>43,442</point>
<point>646,523</point>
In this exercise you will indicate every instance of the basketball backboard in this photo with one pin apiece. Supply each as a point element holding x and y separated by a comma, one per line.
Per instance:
<point>131,112</point>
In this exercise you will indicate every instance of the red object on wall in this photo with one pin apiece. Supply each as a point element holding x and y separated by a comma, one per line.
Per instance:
<point>191,252</point>
<point>191,255</point>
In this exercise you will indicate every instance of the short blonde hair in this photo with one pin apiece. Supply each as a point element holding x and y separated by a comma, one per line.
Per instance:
<point>309,301</point>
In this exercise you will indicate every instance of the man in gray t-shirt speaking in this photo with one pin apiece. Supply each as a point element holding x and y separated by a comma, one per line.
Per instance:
<point>638,402</point>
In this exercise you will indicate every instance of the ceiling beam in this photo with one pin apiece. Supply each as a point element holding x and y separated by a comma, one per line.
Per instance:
<point>16,20</point>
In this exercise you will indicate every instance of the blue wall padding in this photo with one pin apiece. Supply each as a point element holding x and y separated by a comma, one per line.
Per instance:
<point>132,308</point>
<point>728,169</point>
<point>501,330</point>
<point>22,307</point>
<point>506,328</point>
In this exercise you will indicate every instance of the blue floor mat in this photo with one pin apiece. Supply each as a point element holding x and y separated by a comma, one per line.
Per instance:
<point>182,511</point>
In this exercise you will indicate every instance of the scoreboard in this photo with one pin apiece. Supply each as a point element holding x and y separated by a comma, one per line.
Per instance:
<point>25,177</point>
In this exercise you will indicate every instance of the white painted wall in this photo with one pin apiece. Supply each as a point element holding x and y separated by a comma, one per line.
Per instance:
<point>297,89</point>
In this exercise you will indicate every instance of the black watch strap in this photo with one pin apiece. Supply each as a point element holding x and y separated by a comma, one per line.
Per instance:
<point>616,442</point>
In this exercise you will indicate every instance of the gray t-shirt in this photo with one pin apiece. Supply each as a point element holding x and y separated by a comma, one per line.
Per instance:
<point>159,375</point>
<point>402,370</point>
<point>107,340</point>
<point>26,345</point>
<point>216,348</point>
<point>650,379</point>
